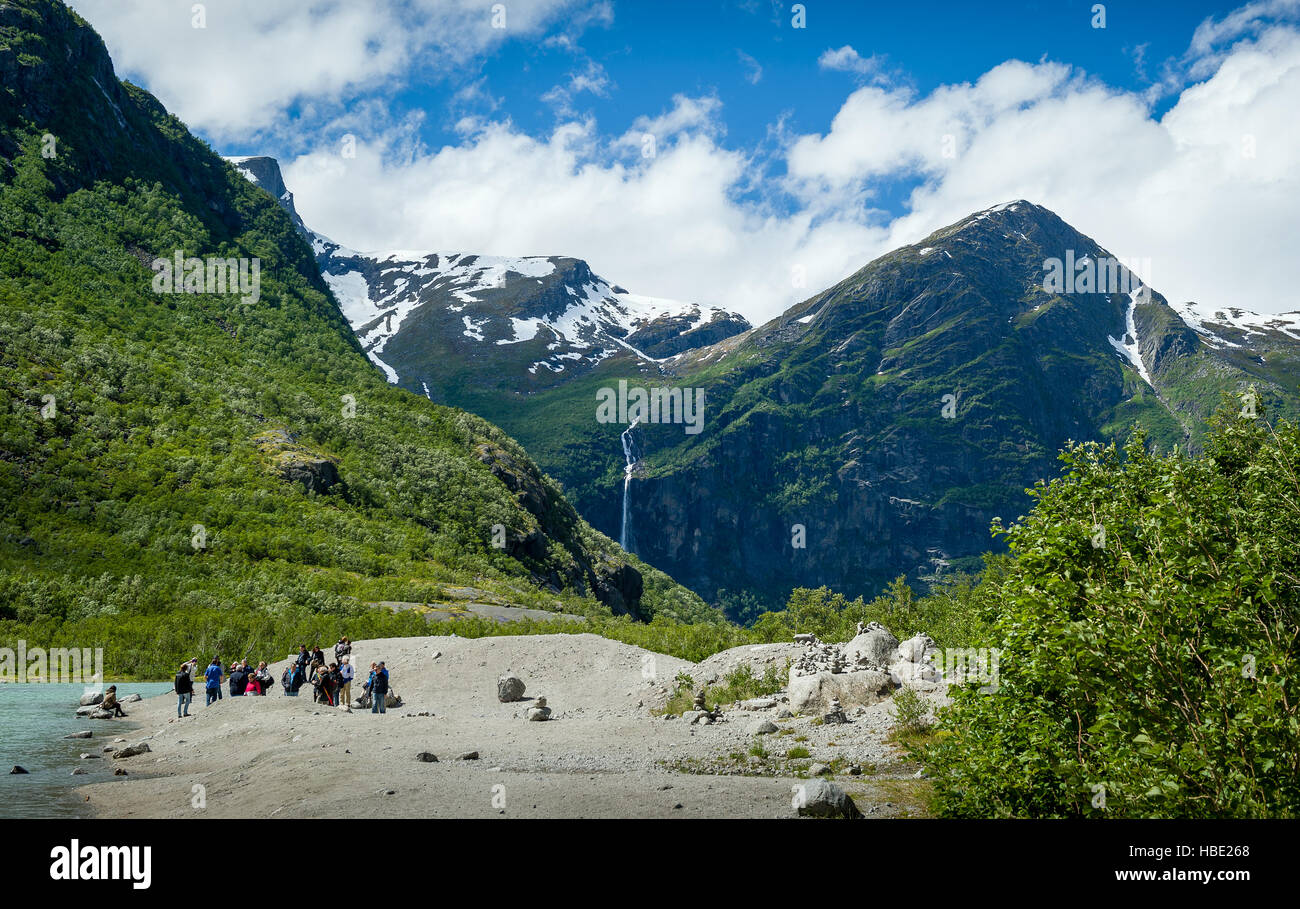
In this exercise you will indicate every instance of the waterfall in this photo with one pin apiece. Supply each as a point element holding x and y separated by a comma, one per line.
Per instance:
<point>629,458</point>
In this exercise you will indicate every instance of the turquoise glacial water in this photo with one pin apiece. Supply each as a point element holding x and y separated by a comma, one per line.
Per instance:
<point>34,718</point>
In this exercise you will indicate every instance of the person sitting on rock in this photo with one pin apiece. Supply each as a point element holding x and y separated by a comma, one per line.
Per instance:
<point>110,702</point>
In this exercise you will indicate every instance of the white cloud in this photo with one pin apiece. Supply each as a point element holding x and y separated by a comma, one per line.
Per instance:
<point>848,60</point>
<point>702,220</point>
<point>592,79</point>
<point>254,60</point>
<point>753,69</point>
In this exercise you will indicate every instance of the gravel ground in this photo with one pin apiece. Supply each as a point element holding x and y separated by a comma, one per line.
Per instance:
<point>604,753</point>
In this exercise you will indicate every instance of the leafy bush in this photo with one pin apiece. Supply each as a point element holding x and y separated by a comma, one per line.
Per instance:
<point>1150,671</point>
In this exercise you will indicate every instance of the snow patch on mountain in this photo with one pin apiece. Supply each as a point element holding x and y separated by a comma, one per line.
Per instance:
<point>1205,320</point>
<point>1129,345</point>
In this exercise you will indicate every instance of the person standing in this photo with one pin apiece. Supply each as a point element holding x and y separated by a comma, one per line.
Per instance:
<point>379,689</point>
<point>213,676</point>
<point>342,649</point>
<point>346,672</point>
<point>184,688</point>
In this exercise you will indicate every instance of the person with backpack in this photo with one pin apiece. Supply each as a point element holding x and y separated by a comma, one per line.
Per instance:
<point>184,688</point>
<point>214,678</point>
<point>342,649</point>
<point>379,689</point>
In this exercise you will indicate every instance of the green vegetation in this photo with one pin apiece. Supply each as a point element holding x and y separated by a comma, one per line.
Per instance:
<point>1155,676</point>
<point>953,614</point>
<point>909,711</point>
<point>157,450</point>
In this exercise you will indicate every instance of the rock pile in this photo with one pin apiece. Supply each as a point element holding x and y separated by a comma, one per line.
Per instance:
<point>828,677</point>
<point>539,711</point>
<point>700,713</point>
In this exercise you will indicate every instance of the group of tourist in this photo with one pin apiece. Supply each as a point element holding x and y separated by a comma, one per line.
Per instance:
<point>331,683</point>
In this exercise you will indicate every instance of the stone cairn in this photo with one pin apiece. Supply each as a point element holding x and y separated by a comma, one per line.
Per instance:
<point>538,712</point>
<point>835,714</point>
<point>817,656</point>
<point>700,713</point>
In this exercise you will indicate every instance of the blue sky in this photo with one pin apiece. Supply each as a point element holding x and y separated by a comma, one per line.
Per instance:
<point>1167,135</point>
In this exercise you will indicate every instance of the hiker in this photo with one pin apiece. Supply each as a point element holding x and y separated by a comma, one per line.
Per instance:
<point>264,677</point>
<point>346,672</point>
<point>335,679</point>
<point>303,660</point>
<point>342,649</point>
<point>238,680</point>
<point>317,655</point>
<point>291,681</point>
<point>184,688</point>
<point>379,689</point>
<point>214,678</point>
<point>318,683</point>
<point>253,686</point>
<point>110,702</point>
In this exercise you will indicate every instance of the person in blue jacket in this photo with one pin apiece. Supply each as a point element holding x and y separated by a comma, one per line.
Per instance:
<point>212,689</point>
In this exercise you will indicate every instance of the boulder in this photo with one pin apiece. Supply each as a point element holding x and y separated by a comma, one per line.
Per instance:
<point>91,698</point>
<point>86,711</point>
<point>822,798</point>
<point>874,647</point>
<point>467,756</point>
<point>813,693</point>
<point>916,661</point>
<point>132,698</point>
<point>510,688</point>
<point>17,769</point>
<point>917,649</point>
<point>84,734</point>
<point>758,704</point>
<point>132,750</point>
<point>426,757</point>
<point>538,714</point>
<point>100,714</point>
<point>763,727</point>
<point>818,770</point>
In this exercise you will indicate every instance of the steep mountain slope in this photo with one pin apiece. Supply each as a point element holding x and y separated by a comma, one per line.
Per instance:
<point>882,424</point>
<point>896,414</point>
<point>186,456</point>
